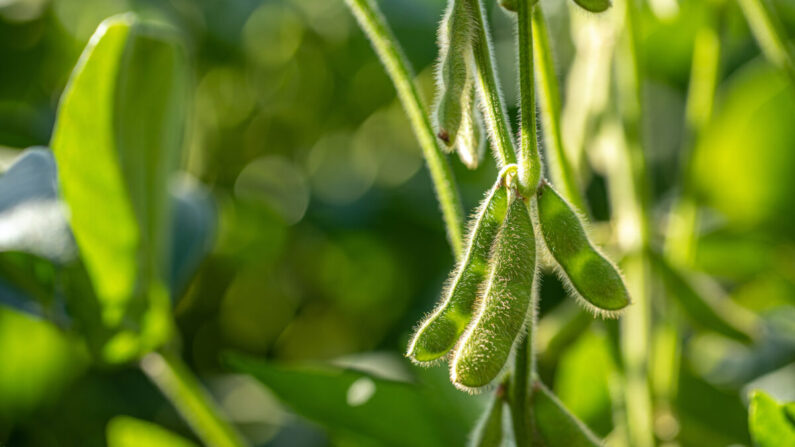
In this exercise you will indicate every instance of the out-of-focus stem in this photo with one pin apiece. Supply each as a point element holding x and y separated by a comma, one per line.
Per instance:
<point>397,67</point>
<point>633,231</point>
<point>560,168</point>
<point>180,386</point>
<point>529,160</point>
<point>705,69</point>
<point>769,33</point>
<point>489,88</point>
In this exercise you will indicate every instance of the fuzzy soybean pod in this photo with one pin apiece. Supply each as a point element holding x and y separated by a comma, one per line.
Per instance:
<point>453,76</point>
<point>593,279</point>
<point>553,425</point>
<point>439,333</point>
<point>471,144</point>
<point>486,345</point>
<point>593,5</point>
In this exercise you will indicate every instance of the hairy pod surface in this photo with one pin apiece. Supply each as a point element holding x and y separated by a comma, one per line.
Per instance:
<point>488,432</point>
<point>439,333</point>
<point>486,345</point>
<point>554,424</point>
<point>471,143</point>
<point>593,279</point>
<point>593,5</point>
<point>454,76</point>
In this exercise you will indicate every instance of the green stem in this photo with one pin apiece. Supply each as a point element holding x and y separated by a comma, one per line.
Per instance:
<point>632,192</point>
<point>180,386</point>
<point>560,168</point>
<point>529,160</point>
<point>769,33</point>
<point>704,74</point>
<point>489,88</point>
<point>397,67</point>
<point>518,392</point>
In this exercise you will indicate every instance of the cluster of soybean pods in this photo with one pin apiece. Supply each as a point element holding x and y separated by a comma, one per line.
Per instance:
<point>488,301</point>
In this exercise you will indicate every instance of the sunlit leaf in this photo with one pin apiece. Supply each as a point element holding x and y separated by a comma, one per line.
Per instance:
<point>394,413</point>
<point>116,141</point>
<point>771,424</point>
<point>125,431</point>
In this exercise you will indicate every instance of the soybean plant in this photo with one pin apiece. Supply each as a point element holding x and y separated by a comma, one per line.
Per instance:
<point>484,322</point>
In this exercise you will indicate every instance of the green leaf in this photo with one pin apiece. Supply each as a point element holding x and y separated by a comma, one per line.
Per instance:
<point>771,423</point>
<point>554,424</point>
<point>117,139</point>
<point>394,413</point>
<point>125,431</point>
<point>707,310</point>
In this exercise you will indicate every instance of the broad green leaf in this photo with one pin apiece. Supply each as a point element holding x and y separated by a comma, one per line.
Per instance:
<point>394,413</point>
<point>706,310</point>
<point>117,139</point>
<point>771,424</point>
<point>125,431</point>
<point>554,424</point>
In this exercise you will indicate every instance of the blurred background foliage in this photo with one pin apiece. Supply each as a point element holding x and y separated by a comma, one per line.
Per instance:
<point>329,244</point>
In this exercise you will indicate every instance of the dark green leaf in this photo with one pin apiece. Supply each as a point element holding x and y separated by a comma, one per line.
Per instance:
<point>394,413</point>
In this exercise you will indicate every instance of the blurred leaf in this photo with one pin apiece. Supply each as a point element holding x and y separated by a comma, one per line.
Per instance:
<point>193,233</point>
<point>36,361</point>
<point>743,164</point>
<point>117,139</point>
<point>31,218</point>
<point>125,431</point>
<point>706,310</point>
<point>771,423</point>
<point>555,425</point>
<point>394,413</point>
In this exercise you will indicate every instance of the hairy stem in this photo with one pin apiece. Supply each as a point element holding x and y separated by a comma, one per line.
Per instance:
<point>770,34</point>
<point>489,88</point>
<point>529,160</point>
<point>180,386</point>
<point>560,168</point>
<point>374,26</point>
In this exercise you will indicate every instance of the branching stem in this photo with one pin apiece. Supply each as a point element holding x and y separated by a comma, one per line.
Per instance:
<point>397,67</point>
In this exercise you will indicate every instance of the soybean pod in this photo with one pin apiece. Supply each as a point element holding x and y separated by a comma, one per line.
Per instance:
<point>440,331</point>
<point>471,143</point>
<point>590,277</point>
<point>453,75</point>
<point>593,5</point>
<point>486,345</point>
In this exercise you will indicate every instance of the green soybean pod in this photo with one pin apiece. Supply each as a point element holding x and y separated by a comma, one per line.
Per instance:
<point>440,331</point>
<point>593,5</point>
<point>488,432</point>
<point>453,73</point>
<point>510,5</point>
<point>471,142</point>
<point>554,424</point>
<point>589,276</point>
<point>484,348</point>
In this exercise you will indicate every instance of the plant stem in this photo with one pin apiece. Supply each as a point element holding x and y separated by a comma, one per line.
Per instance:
<point>560,168</point>
<point>374,26</point>
<point>179,385</point>
<point>529,160</point>
<point>704,74</point>
<point>769,33</point>
<point>632,201</point>
<point>489,88</point>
